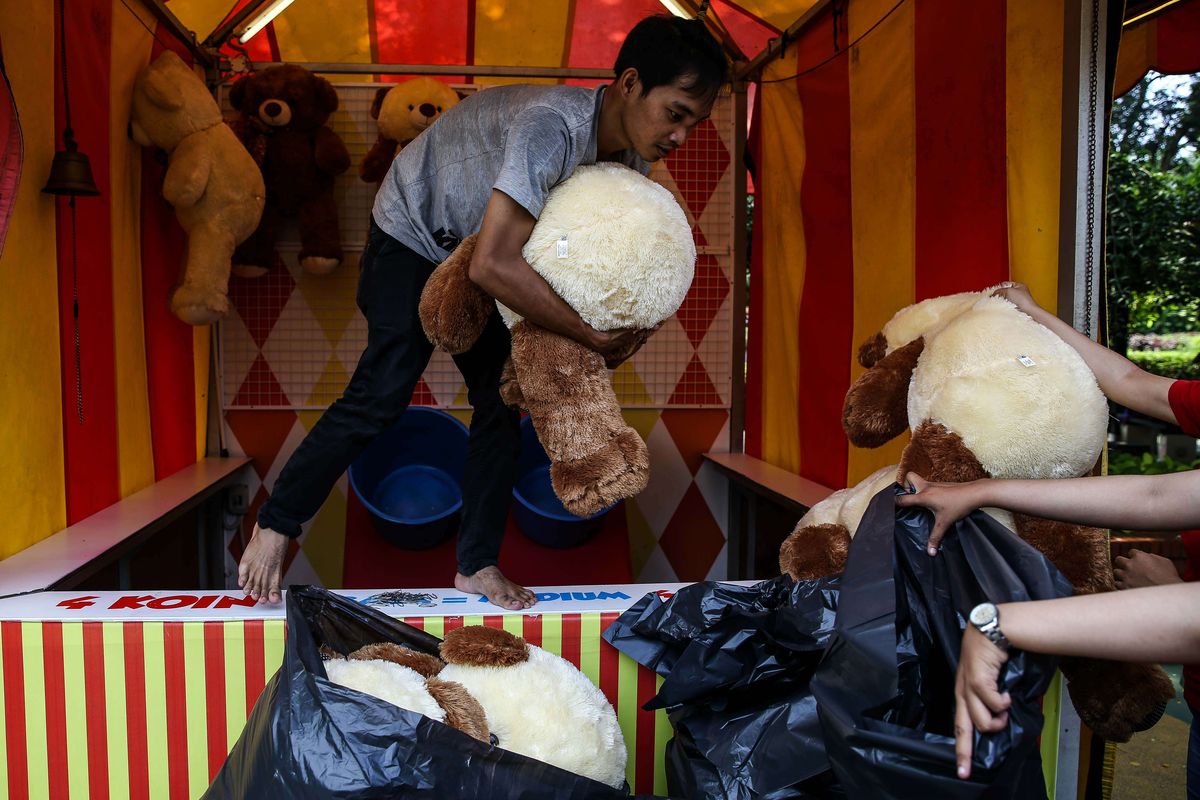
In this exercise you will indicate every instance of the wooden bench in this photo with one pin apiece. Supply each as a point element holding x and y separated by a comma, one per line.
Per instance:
<point>65,558</point>
<point>752,480</point>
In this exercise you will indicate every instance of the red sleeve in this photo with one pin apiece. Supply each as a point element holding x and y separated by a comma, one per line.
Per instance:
<point>1184,397</point>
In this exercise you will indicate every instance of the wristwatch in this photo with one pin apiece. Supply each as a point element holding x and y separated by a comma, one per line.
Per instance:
<point>986,619</point>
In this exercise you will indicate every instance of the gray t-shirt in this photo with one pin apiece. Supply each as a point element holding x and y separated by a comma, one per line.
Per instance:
<point>522,140</point>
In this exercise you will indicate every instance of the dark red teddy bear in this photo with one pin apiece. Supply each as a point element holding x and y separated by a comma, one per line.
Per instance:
<point>284,110</point>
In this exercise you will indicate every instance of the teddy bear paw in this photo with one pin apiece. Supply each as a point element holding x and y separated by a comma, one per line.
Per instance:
<point>197,306</point>
<point>619,469</point>
<point>318,265</point>
<point>814,551</point>
<point>249,270</point>
<point>1117,699</point>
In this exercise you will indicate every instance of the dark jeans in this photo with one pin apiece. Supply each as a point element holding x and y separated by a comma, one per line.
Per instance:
<point>389,291</point>
<point>1193,757</point>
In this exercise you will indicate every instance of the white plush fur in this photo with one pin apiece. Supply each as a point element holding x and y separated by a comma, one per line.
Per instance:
<point>547,709</point>
<point>393,683</point>
<point>1047,420</point>
<point>630,254</point>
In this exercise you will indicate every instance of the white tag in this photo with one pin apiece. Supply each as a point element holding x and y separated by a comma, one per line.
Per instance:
<point>562,247</point>
<point>1027,361</point>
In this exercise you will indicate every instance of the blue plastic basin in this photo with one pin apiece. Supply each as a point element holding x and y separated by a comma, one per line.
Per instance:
<point>410,478</point>
<point>538,512</point>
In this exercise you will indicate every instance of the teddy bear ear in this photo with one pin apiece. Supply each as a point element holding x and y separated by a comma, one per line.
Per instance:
<point>480,646</point>
<point>162,91</point>
<point>377,103</point>
<point>328,95</point>
<point>237,94</point>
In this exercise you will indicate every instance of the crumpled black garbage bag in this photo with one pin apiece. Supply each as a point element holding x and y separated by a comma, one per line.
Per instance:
<point>309,738</point>
<point>736,662</point>
<point>744,675</point>
<point>885,687</point>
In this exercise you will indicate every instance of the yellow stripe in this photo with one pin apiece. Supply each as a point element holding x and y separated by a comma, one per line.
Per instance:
<point>274,633</point>
<point>200,16</point>
<point>33,484</point>
<point>35,708</point>
<point>514,624</point>
<point>589,646</point>
<point>1139,47</point>
<point>1051,711</point>
<point>154,654</point>
<point>134,446</point>
<point>436,626</point>
<point>1033,102</point>
<point>115,710</point>
<point>197,713</point>
<point>520,33</point>
<point>662,734</point>
<point>4,717</point>
<point>308,32</point>
<point>234,634</point>
<point>882,186</point>
<point>472,620</point>
<point>782,278</point>
<point>627,710</point>
<point>75,701</point>
<point>201,347</point>
<point>552,634</point>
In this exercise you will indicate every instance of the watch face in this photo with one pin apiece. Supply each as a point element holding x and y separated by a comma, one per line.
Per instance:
<point>982,614</point>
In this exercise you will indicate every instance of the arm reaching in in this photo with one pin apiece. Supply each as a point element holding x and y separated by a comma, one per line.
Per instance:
<point>1123,626</point>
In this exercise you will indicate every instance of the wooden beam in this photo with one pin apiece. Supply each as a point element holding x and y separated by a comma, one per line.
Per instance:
<point>342,67</point>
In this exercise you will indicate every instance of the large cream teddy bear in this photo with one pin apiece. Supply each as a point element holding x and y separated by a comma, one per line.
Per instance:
<point>618,249</point>
<point>987,392</point>
<point>213,183</point>
<point>492,685</point>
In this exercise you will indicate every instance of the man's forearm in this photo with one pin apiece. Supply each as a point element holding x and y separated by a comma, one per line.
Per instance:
<point>518,286</point>
<point>1160,502</point>
<point>1158,623</point>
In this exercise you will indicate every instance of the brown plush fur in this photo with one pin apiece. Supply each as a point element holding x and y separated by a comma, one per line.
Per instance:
<point>423,663</point>
<point>510,387</point>
<point>819,551</point>
<point>463,711</point>
<point>480,646</point>
<point>328,653</point>
<point>873,349</point>
<point>299,161</point>
<point>938,455</point>
<point>596,458</point>
<point>876,409</point>
<point>1116,699</point>
<point>454,311</point>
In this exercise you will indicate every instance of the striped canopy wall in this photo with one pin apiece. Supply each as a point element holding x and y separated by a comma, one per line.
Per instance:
<point>918,157</point>
<point>1169,44</point>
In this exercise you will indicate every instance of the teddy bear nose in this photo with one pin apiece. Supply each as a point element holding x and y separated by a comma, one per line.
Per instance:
<point>272,109</point>
<point>427,109</point>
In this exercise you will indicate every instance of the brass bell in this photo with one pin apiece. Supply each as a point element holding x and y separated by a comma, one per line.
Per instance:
<point>71,172</point>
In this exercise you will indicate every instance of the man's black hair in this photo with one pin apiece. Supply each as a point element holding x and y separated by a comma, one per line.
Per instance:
<point>664,48</point>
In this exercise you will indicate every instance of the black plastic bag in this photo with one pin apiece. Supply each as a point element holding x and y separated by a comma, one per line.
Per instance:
<point>885,687</point>
<point>736,662</point>
<point>309,738</point>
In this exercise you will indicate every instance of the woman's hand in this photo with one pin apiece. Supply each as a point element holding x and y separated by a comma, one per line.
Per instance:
<point>949,503</point>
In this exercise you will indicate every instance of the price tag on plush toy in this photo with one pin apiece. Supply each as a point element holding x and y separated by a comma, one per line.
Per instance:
<point>1027,361</point>
<point>562,247</point>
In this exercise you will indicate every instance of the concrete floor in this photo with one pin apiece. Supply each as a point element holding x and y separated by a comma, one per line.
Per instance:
<point>1153,765</point>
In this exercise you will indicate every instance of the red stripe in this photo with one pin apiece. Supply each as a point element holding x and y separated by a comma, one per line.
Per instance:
<point>644,769</point>
<point>470,37</point>
<point>56,708</point>
<point>753,415</point>
<point>135,710</point>
<point>416,622</point>
<point>170,373</point>
<point>610,661</point>
<point>827,305</point>
<point>256,677</point>
<point>214,676</point>
<point>451,624</point>
<point>531,628</point>
<point>571,637</point>
<point>494,621</point>
<point>15,752</point>
<point>961,200</point>
<point>97,719</point>
<point>1178,32</point>
<point>177,721</point>
<point>273,41</point>
<point>90,446</point>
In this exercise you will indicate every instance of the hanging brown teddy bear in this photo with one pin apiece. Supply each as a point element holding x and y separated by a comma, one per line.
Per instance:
<point>284,110</point>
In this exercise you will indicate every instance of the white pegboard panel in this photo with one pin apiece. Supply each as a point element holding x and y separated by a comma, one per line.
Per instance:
<point>297,338</point>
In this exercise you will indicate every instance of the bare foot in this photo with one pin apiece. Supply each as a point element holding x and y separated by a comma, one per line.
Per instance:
<point>260,572</point>
<point>498,589</point>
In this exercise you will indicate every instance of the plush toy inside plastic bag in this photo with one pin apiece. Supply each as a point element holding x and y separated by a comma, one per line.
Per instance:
<point>843,687</point>
<point>309,738</point>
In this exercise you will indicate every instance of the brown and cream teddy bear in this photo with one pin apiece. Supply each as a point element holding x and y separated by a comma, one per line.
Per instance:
<point>283,114</point>
<point>987,392</point>
<point>618,249</point>
<point>495,687</point>
<point>212,182</point>
<point>403,110</point>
